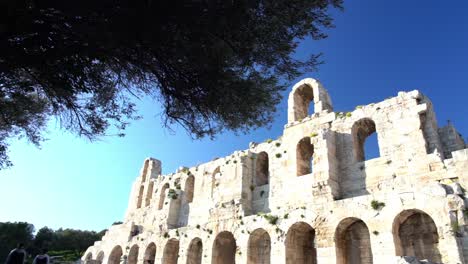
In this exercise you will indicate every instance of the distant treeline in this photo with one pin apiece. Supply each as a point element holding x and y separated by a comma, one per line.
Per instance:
<point>68,243</point>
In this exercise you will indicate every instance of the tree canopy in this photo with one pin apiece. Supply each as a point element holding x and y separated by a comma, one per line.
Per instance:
<point>212,65</point>
<point>68,243</point>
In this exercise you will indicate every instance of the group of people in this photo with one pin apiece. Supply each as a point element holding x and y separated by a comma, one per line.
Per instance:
<point>19,255</point>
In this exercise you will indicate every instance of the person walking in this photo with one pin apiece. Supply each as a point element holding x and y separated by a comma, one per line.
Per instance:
<point>42,258</point>
<point>17,255</point>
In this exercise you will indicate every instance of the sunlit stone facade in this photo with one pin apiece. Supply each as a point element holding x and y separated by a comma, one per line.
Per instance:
<point>309,196</point>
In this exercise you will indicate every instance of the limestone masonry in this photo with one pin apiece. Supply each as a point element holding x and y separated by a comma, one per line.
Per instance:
<point>310,196</point>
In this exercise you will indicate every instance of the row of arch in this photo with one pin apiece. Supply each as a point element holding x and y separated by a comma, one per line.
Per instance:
<point>361,130</point>
<point>189,191</point>
<point>415,234</point>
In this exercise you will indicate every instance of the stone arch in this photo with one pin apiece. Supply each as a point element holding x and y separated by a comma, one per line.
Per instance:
<point>262,171</point>
<point>216,172</point>
<point>100,257</point>
<point>259,247</point>
<point>304,156</point>
<point>189,188</point>
<point>162,195</point>
<point>415,234</point>
<point>304,93</point>
<point>115,255</point>
<point>353,245</point>
<point>299,243</point>
<point>149,194</point>
<point>133,255</point>
<point>224,249</point>
<point>150,254</point>
<point>171,252</point>
<point>145,170</point>
<point>140,196</point>
<point>195,251</point>
<point>361,130</point>
<point>89,258</point>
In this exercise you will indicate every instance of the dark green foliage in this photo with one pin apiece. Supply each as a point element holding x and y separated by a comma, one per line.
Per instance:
<point>212,65</point>
<point>13,233</point>
<point>68,243</point>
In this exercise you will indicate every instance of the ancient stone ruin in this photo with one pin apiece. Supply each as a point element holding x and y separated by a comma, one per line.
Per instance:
<point>311,196</point>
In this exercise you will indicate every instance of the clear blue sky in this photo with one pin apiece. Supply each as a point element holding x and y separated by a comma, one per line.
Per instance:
<point>377,49</point>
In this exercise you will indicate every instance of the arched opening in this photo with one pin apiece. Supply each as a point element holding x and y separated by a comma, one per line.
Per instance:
<point>140,196</point>
<point>259,247</point>
<point>171,252</point>
<point>304,156</point>
<point>150,254</point>
<point>365,141</point>
<point>145,170</point>
<point>195,251</point>
<point>216,174</point>
<point>100,257</point>
<point>415,234</point>
<point>115,255</point>
<point>89,258</point>
<point>162,195</point>
<point>353,245</point>
<point>300,244</point>
<point>149,194</point>
<point>224,249</point>
<point>262,170</point>
<point>189,188</point>
<point>133,255</point>
<point>303,102</point>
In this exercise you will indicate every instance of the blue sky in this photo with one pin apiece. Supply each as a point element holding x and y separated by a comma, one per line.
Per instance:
<point>377,49</point>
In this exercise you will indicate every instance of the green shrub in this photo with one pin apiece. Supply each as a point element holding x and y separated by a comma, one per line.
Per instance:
<point>272,219</point>
<point>376,205</point>
<point>172,194</point>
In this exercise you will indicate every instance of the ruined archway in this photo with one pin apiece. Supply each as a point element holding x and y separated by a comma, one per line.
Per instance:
<point>303,96</point>
<point>415,234</point>
<point>150,254</point>
<point>216,174</point>
<point>224,249</point>
<point>133,255</point>
<point>304,156</point>
<point>262,170</point>
<point>308,96</point>
<point>100,257</point>
<point>140,196</point>
<point>171,252</point>
<point>195,251</point>
<point>259,247</point>
<point>362,130</point>
<point>300,244</point>
<point>353,245</point>
<point>145,171</point>
<point>89,258</point>
<point>162,195</point>
<point>149,194</point>
<point>115,255</point>
<point>189,188</point>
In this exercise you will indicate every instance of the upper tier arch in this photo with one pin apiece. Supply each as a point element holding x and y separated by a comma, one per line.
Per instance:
<point>302,94</point>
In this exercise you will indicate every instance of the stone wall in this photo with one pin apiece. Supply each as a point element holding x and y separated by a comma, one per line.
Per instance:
<point>310,196</point>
